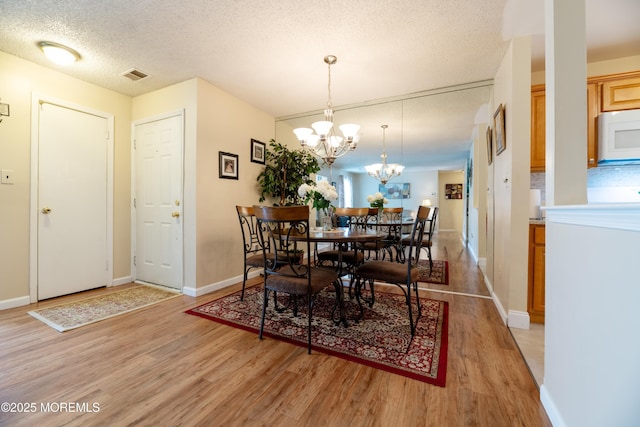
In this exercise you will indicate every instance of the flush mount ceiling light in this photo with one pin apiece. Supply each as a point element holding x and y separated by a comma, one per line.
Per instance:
<point>325,143</point>
<point>383,172</point>
<point>59,54</point>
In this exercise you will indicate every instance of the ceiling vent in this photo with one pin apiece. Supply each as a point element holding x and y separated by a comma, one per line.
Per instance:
<point>134,74</point>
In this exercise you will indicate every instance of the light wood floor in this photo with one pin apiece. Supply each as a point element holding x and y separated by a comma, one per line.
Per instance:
<point>160,366</point>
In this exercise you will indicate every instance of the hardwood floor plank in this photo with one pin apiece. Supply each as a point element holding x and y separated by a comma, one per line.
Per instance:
<point>160,366</point>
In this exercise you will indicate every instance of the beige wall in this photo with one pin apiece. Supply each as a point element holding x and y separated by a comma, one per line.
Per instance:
<point>451,211</point>
<point>620,65</point>
<point>19,79</point>
<point>511,179</point>
<point>214,121</point>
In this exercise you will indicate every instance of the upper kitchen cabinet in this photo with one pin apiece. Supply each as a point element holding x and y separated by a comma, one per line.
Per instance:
<point>538,127</point>
<point>621,94</point>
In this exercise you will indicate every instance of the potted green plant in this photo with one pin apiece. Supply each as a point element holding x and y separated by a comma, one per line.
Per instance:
<point>284,172</point>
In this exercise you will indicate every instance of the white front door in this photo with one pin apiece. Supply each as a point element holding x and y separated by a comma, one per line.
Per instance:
<point>72,229</point>
<point>157,243</point>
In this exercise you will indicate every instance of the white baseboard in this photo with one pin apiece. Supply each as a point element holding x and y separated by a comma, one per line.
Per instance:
<point>482,264</point>
<point>121,281</point>
<point>518,319</point>
<point>196,292</point>
<point>15,302</point>
<point>501,310</point>
<point>550,408</point>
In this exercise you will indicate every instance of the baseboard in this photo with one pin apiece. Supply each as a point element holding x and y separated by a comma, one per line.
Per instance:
<point>518,319</point>
<point>15,302</point>
<point>121,281</point>
<point>482,264</point>
<point>203,290</point>
<point>550,408</point>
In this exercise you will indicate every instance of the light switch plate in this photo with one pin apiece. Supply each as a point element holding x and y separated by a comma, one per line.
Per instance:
<point>7,176</point>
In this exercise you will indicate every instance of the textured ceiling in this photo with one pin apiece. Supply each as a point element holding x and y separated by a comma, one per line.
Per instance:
<point>269,52</point>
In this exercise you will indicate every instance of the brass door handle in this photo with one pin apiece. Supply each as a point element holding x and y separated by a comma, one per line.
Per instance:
<point>175,214</point>
<point>46,211</point>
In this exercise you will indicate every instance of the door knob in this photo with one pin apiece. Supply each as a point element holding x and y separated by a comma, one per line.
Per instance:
<point>46,211</point>
<point>175,214</point>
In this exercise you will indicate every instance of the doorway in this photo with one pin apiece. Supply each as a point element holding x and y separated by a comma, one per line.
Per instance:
<point>157,187</point>
<point>71,197</point>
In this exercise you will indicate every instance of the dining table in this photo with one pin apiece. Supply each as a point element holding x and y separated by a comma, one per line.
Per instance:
<point>345,239</point>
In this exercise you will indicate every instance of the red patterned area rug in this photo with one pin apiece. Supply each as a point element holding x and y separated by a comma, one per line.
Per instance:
<point>382,340</point>
<point>439,275</point>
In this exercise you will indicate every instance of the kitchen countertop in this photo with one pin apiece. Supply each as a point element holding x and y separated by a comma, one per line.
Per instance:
<point>536,221</point>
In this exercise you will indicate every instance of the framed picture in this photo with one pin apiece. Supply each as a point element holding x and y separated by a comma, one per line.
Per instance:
<point>453,191</point>
<point>489,144</point>
<point>499,130</point>
<point>228,165</point>
<point>395,191</point>
<point>258,151</point>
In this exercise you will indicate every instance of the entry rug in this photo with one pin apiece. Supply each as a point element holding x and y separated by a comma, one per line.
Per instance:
<point>438,275</point>
<point>80,313</point>
<point>381,340</point>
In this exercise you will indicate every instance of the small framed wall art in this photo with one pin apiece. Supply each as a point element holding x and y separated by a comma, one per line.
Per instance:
<point>499,130</point>
<point>258,151</point>
<point>453,191</point>
<point>228,165</point>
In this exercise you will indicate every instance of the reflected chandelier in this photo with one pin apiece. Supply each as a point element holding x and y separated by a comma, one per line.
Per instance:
<point>383,172</point>
<point>324,143</point>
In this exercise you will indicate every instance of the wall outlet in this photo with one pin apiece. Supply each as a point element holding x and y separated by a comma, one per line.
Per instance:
<point>7,176</point>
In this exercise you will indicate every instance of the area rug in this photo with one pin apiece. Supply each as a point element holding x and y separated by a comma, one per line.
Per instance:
<point>439,275</point>
<point>381,340</point>
<point>79,313</point>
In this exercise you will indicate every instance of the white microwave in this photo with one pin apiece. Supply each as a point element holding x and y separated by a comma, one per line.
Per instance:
<point>619,137</point>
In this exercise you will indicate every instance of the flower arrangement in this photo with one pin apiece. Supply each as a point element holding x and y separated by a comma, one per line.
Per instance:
<point>321,195</point>
<point>377,200</point>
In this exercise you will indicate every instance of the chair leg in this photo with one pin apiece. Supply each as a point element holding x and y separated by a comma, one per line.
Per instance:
<point>411,325</point>
<point>244,282</point>
<point>264,310</point>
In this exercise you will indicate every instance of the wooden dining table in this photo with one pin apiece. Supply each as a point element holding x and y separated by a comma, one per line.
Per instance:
<point>345,238</point>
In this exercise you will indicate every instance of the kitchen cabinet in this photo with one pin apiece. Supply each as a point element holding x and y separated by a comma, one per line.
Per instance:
<point>538,127</point>
<point>535,299</point>
<point>621,94</point>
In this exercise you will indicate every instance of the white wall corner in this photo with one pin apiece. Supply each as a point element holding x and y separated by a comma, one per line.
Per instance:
<point>501,310</point>
<point>196,292</point>
<point>121,281</point>
<point>15,302</point>
<point>550,408</point>
<point>518,319</point>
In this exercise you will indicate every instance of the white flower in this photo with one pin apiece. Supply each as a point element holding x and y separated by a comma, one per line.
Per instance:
<point>304,190</point>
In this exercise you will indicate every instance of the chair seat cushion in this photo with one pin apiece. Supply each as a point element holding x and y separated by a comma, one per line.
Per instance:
<point>385,271</point>
<point>406,241</point>
<point>258,260</point>
<point>348,257</point>
<point>286,281</point>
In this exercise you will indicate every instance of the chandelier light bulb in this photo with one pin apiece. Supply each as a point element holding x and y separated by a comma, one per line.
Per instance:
<point>383,172</point>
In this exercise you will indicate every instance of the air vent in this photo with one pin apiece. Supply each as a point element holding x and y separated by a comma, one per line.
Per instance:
<point>134,74</point>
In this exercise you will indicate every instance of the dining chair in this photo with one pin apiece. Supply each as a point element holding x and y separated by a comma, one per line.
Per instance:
<point>346,257</point>
<point>253,254</point>
<point>405,276</point>
<point>385,246</point>
<point>286,229</point>
<point>427,242</point>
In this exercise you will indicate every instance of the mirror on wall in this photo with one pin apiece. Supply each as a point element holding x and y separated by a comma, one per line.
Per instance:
<point>427,133</point>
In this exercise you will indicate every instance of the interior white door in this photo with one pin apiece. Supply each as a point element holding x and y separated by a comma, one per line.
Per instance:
<point>72,201</point>
<point>158,201</point>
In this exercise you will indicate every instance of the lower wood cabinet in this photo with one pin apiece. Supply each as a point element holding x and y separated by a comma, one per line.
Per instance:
<point>535,300</point>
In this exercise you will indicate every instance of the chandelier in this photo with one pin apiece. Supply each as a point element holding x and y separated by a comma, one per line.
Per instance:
<point>383,172</point>
<point>324,143</point>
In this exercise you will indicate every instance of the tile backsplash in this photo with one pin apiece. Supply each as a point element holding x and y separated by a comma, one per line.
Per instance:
<point>608,176</point>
